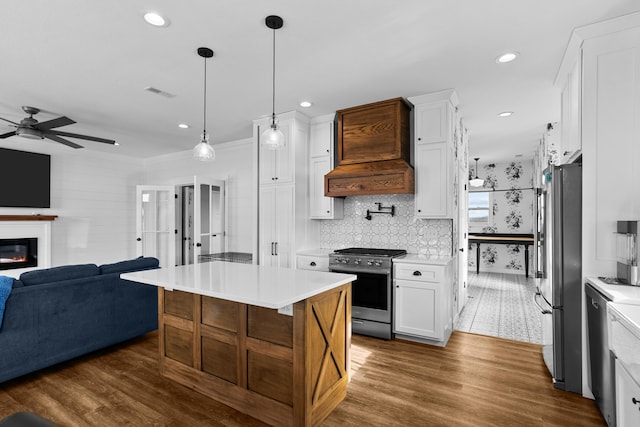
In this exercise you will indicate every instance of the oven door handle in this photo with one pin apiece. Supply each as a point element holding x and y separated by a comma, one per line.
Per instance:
<point>355,271</point>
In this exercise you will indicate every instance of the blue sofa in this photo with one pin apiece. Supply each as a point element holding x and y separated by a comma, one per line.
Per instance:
<point>56,314</point>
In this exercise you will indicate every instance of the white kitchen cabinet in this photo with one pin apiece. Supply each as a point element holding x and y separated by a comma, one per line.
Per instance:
<point>423,304</point>
<point>321,163</point>
<point>627,398</point>
<point>570,111</point>
<point>313,262</point>
<point>434,121</point>
<point>607,53</point>
<point>277,166</point>
<point>433,191</point>
<point>283,224</point>
<point>276,233</point>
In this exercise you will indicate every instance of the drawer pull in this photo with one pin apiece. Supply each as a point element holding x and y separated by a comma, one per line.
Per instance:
<point>417,273</point>
<point>312,263</point>
<point>635,401</point>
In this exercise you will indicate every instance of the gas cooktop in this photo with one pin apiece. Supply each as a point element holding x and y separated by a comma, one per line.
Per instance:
<point>371,252</point>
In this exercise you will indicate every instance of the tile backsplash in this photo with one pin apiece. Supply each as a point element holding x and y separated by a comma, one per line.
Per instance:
<point>402,231</point>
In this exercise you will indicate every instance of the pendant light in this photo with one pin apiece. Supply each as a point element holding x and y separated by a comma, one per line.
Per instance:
<point>273,138</point>
<point>204,151</point>
<point>476,182</point>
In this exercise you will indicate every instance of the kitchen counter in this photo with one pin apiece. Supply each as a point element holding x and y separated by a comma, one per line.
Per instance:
<point>619,293</point>
<point>316,252</point>
<point>423,259</point>
<point>258,285</point>
<point>220,333</point>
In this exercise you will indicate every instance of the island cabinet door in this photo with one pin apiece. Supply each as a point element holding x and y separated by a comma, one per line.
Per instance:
<point>284,370</point>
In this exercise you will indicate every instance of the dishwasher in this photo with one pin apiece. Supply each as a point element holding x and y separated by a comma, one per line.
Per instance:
<point>601,360</point>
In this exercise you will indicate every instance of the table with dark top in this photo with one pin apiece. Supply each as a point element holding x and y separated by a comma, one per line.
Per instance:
<point>502,239</point>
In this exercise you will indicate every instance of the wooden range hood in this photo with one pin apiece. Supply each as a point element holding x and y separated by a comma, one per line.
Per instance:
<point>373,151</point>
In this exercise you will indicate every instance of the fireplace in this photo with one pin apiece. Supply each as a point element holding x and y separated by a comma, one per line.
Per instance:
<point>18,253</point>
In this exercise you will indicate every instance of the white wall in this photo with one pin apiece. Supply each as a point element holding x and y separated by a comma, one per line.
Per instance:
<point>93,195</point>
<point>233,163</point>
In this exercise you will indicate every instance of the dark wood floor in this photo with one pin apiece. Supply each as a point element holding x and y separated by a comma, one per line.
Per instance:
<point>474,381</point>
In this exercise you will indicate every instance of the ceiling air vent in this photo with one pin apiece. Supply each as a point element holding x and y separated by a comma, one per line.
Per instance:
<point>159,92</point>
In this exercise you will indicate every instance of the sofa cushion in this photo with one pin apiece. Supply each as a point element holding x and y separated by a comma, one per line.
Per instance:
<point>142,263</point>
<point>57,274</point>
<point>17,284</point>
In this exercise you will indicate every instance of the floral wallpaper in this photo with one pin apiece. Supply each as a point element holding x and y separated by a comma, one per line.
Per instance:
<point>513,202</point>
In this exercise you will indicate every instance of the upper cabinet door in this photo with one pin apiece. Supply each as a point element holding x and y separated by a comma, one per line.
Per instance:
<point>431,124</point>
<point>321,139</point>
<point>432,198</point>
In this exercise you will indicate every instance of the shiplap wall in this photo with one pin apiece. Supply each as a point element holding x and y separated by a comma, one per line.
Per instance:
<point>233,163</point>
<point>93,194</point>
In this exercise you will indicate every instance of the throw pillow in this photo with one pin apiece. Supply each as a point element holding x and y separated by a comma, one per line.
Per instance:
<point>6,283</point>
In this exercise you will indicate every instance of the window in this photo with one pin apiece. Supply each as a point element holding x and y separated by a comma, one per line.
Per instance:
<point>480,208</point>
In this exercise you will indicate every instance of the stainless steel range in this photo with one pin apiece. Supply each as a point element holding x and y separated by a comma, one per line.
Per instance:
<point>372,304</point>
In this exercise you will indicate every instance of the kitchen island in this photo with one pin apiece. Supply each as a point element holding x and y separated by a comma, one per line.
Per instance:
<point>270,342</point>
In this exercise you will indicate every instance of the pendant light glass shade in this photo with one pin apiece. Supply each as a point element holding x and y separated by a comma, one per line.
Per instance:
<point>273,138</point>
<point>204,151</point>
<point>476,182</point>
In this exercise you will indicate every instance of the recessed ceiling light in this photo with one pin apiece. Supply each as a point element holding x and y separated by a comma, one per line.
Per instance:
<point>506,57</point>
<point>184,126</point>
<point>305,104</point>
<point>156,19</point>
<point>505,114</point>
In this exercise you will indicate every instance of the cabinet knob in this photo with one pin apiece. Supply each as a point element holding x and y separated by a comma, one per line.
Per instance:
<point>328,211</point>
<point>419,210</point>
<point>312,263</point>
<point>461,249</point>
<point>272,178</point>
<point>276,178</point>
<point>198,244</point>
<point>327,150</point>
<point>139,239</point>
<point>419,139</point>
<point>417,273</point>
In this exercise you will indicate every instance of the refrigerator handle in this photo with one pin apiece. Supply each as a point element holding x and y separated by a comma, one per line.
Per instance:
<point>535,300</point>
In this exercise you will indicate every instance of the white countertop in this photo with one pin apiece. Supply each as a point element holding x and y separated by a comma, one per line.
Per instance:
<point>316,252</point>
<point>619,293</point>
<point>423,259</point>
<point>259,285</point>
<point>627,314</point>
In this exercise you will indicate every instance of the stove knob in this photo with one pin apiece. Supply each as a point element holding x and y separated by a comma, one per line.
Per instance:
<point>378,264</point>
<point>345,261</point>
<point>356,262</point>
<point>369,262</point>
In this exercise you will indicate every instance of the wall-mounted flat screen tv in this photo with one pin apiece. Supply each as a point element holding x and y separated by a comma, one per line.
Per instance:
<point>25,179</point>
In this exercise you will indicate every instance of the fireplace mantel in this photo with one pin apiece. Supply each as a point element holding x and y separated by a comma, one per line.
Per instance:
<point>28,217</point>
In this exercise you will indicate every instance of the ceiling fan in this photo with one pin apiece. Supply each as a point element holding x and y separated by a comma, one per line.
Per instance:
<point>32,129</point>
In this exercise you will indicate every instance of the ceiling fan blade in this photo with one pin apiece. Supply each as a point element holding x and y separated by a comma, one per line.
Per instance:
<point>7,135</point>
<point>55,123</point>
<point>85,137</point>
<point>61,140</point>
<point>9,121</point>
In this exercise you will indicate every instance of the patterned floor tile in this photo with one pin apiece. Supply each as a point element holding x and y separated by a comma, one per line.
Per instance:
<point>501,305</point>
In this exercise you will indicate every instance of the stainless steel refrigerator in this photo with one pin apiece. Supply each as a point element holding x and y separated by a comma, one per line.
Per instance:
<point>559,266</point>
